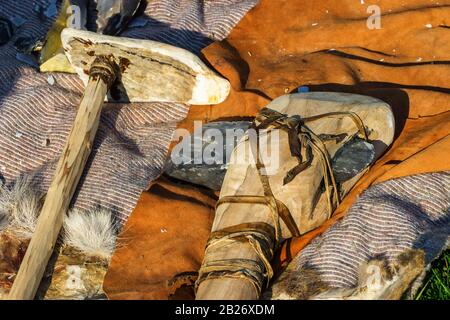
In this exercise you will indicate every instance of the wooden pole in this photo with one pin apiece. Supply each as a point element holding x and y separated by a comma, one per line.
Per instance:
<point>67,175</point>
<point>226,289</point>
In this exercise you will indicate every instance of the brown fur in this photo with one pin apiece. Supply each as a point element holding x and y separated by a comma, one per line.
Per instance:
<point>12,250</point>
<point>395,278</point>
<point>392,281</point>
<point>298,285</point>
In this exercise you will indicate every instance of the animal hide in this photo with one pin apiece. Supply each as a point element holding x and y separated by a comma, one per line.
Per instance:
<point>80,262</point>
<point>380,250</point>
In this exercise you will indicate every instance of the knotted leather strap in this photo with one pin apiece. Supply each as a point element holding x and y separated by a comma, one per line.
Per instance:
<point>300,136</point>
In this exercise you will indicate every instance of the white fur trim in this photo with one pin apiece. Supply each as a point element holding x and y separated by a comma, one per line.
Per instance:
<point>91,232</point>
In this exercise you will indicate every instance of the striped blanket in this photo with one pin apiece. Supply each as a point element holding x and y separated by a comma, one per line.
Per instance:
<point>37,110</point>
<point>389,219</point>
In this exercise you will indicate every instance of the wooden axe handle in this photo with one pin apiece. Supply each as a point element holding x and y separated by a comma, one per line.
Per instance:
<point>67,175</point>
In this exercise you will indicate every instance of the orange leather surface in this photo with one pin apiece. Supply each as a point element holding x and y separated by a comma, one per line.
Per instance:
<point>161,246</point>
<point>325,45</point>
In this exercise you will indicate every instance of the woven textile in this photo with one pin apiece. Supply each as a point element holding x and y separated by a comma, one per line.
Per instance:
<point>37,110</point>
<point>406,213</point>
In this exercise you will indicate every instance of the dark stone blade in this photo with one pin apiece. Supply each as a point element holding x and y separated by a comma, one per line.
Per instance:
<point>352,158</point>
<point>6,31</point>
<point>192,167</point>
<point>113,15</point>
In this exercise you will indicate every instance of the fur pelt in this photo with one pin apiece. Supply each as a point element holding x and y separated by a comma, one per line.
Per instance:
<point>378,280</point>
<point>19,207</point>
<point>92,233</point>
<point>83,251</point>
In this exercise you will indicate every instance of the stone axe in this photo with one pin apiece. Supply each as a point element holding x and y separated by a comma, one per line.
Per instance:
<point>131,71</point>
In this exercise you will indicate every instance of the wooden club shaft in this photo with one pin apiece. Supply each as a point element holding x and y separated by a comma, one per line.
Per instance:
<point>67,175</point>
